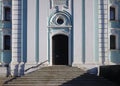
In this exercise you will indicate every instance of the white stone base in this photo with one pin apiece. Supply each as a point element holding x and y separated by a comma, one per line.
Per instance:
<point>21,69</point>
<point>91,68</point>
<point>3,71</point>
<point>14,68</point>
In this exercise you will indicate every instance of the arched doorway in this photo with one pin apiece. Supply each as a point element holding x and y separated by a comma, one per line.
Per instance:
<point>60,50</point>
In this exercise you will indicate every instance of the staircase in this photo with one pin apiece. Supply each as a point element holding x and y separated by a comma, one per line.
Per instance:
<point>58,76</point>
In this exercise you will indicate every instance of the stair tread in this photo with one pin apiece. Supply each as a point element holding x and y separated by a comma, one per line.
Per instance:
<point>56,76</point>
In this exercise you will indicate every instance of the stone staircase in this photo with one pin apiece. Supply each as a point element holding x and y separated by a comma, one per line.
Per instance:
<point>58,76</point>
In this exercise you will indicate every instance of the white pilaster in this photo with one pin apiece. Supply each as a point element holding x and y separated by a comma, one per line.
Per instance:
<point>103,31</point>
<point>77,27</point>
<point>31,35</point>
<point>16,32</point>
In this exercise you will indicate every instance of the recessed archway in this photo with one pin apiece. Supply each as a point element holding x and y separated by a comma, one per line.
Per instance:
<point>60,50</point>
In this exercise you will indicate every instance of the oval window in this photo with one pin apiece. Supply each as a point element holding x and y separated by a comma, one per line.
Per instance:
<point>60,21</point>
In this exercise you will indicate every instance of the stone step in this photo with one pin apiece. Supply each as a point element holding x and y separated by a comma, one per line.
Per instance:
<point>60,76</point>
<point>58,72</point>
<point>41,85</point>
<point>57,76</point>
<point>90,83</point>
<point>45,78</point>
<point>52,75</point>
<point>51,81</point>
<point>41,82</point>
<point>56,79</point>
<point>3,79</point>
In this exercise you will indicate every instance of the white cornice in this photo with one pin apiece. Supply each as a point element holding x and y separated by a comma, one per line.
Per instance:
<point>69,26</point>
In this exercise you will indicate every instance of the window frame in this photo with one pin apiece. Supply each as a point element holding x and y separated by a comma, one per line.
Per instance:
<point>5,13</point>
<point>111,39</point>
<point>116,12</point>
<point>112,9</point>
<point>5,38</point>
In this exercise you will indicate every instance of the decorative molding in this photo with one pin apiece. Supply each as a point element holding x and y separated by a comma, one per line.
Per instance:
<point>56,3</point>
<point>55,26</point>
<point>114,28</point>
<point>114,1</point>
<point>66,20</point>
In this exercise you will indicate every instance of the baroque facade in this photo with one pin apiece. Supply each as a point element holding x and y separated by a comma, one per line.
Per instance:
<point>81,33</point>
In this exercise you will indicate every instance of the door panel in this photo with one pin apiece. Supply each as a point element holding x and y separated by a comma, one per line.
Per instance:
<point>60,50</point>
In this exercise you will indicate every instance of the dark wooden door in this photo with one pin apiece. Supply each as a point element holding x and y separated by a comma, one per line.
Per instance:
<point>60,50</point>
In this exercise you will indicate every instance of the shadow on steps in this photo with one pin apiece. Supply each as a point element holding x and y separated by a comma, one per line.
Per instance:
<point>111,72</point>
<point>89,80</point>
<point>59,76</point>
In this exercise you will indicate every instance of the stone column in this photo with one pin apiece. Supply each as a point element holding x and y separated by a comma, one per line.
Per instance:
<point>16,37</point>
<point>103,31</point>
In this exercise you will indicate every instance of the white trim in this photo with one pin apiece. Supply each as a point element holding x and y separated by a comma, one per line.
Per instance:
<point>2,48</point>
<point>116,12</point>
<point>59,31</point>
<point>55,26</point>
<point>114,28</point>
<point>56,29</point>
<point>10,42</point>
<point>117,45</point>
<point>4,5</point>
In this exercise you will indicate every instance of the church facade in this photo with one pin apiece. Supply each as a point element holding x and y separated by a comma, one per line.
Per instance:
<point>80,33</point>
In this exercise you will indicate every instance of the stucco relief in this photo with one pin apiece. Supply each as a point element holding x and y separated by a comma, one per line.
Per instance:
<point>55,3</point>
<point>60,19</point>
<point>114,1</point>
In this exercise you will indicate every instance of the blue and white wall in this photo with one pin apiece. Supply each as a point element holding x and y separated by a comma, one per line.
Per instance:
<point>114,29</point>
<point>88,28</point>
<point>37,35</point>
<point>5,29</point>
<point>82,45</point>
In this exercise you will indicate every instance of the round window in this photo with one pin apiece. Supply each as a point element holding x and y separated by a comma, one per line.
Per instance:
<point>60,21</point>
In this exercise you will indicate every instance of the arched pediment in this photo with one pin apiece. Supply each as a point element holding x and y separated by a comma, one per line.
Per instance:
<point>60,19</point>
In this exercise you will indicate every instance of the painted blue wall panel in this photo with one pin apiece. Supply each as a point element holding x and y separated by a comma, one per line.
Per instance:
<point>83,31</point>
<point>0,40</point>
<point>37,31</point>
<point>0,57</point>
<point>119,11</point>
<point>118,32</point>
<point>5,25</point>
<point>0,11</point>
<point>24,31</point>
<point>115,56</point>
<point>114,24</point>
<point>7,57</point>
<point>0,47</point>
